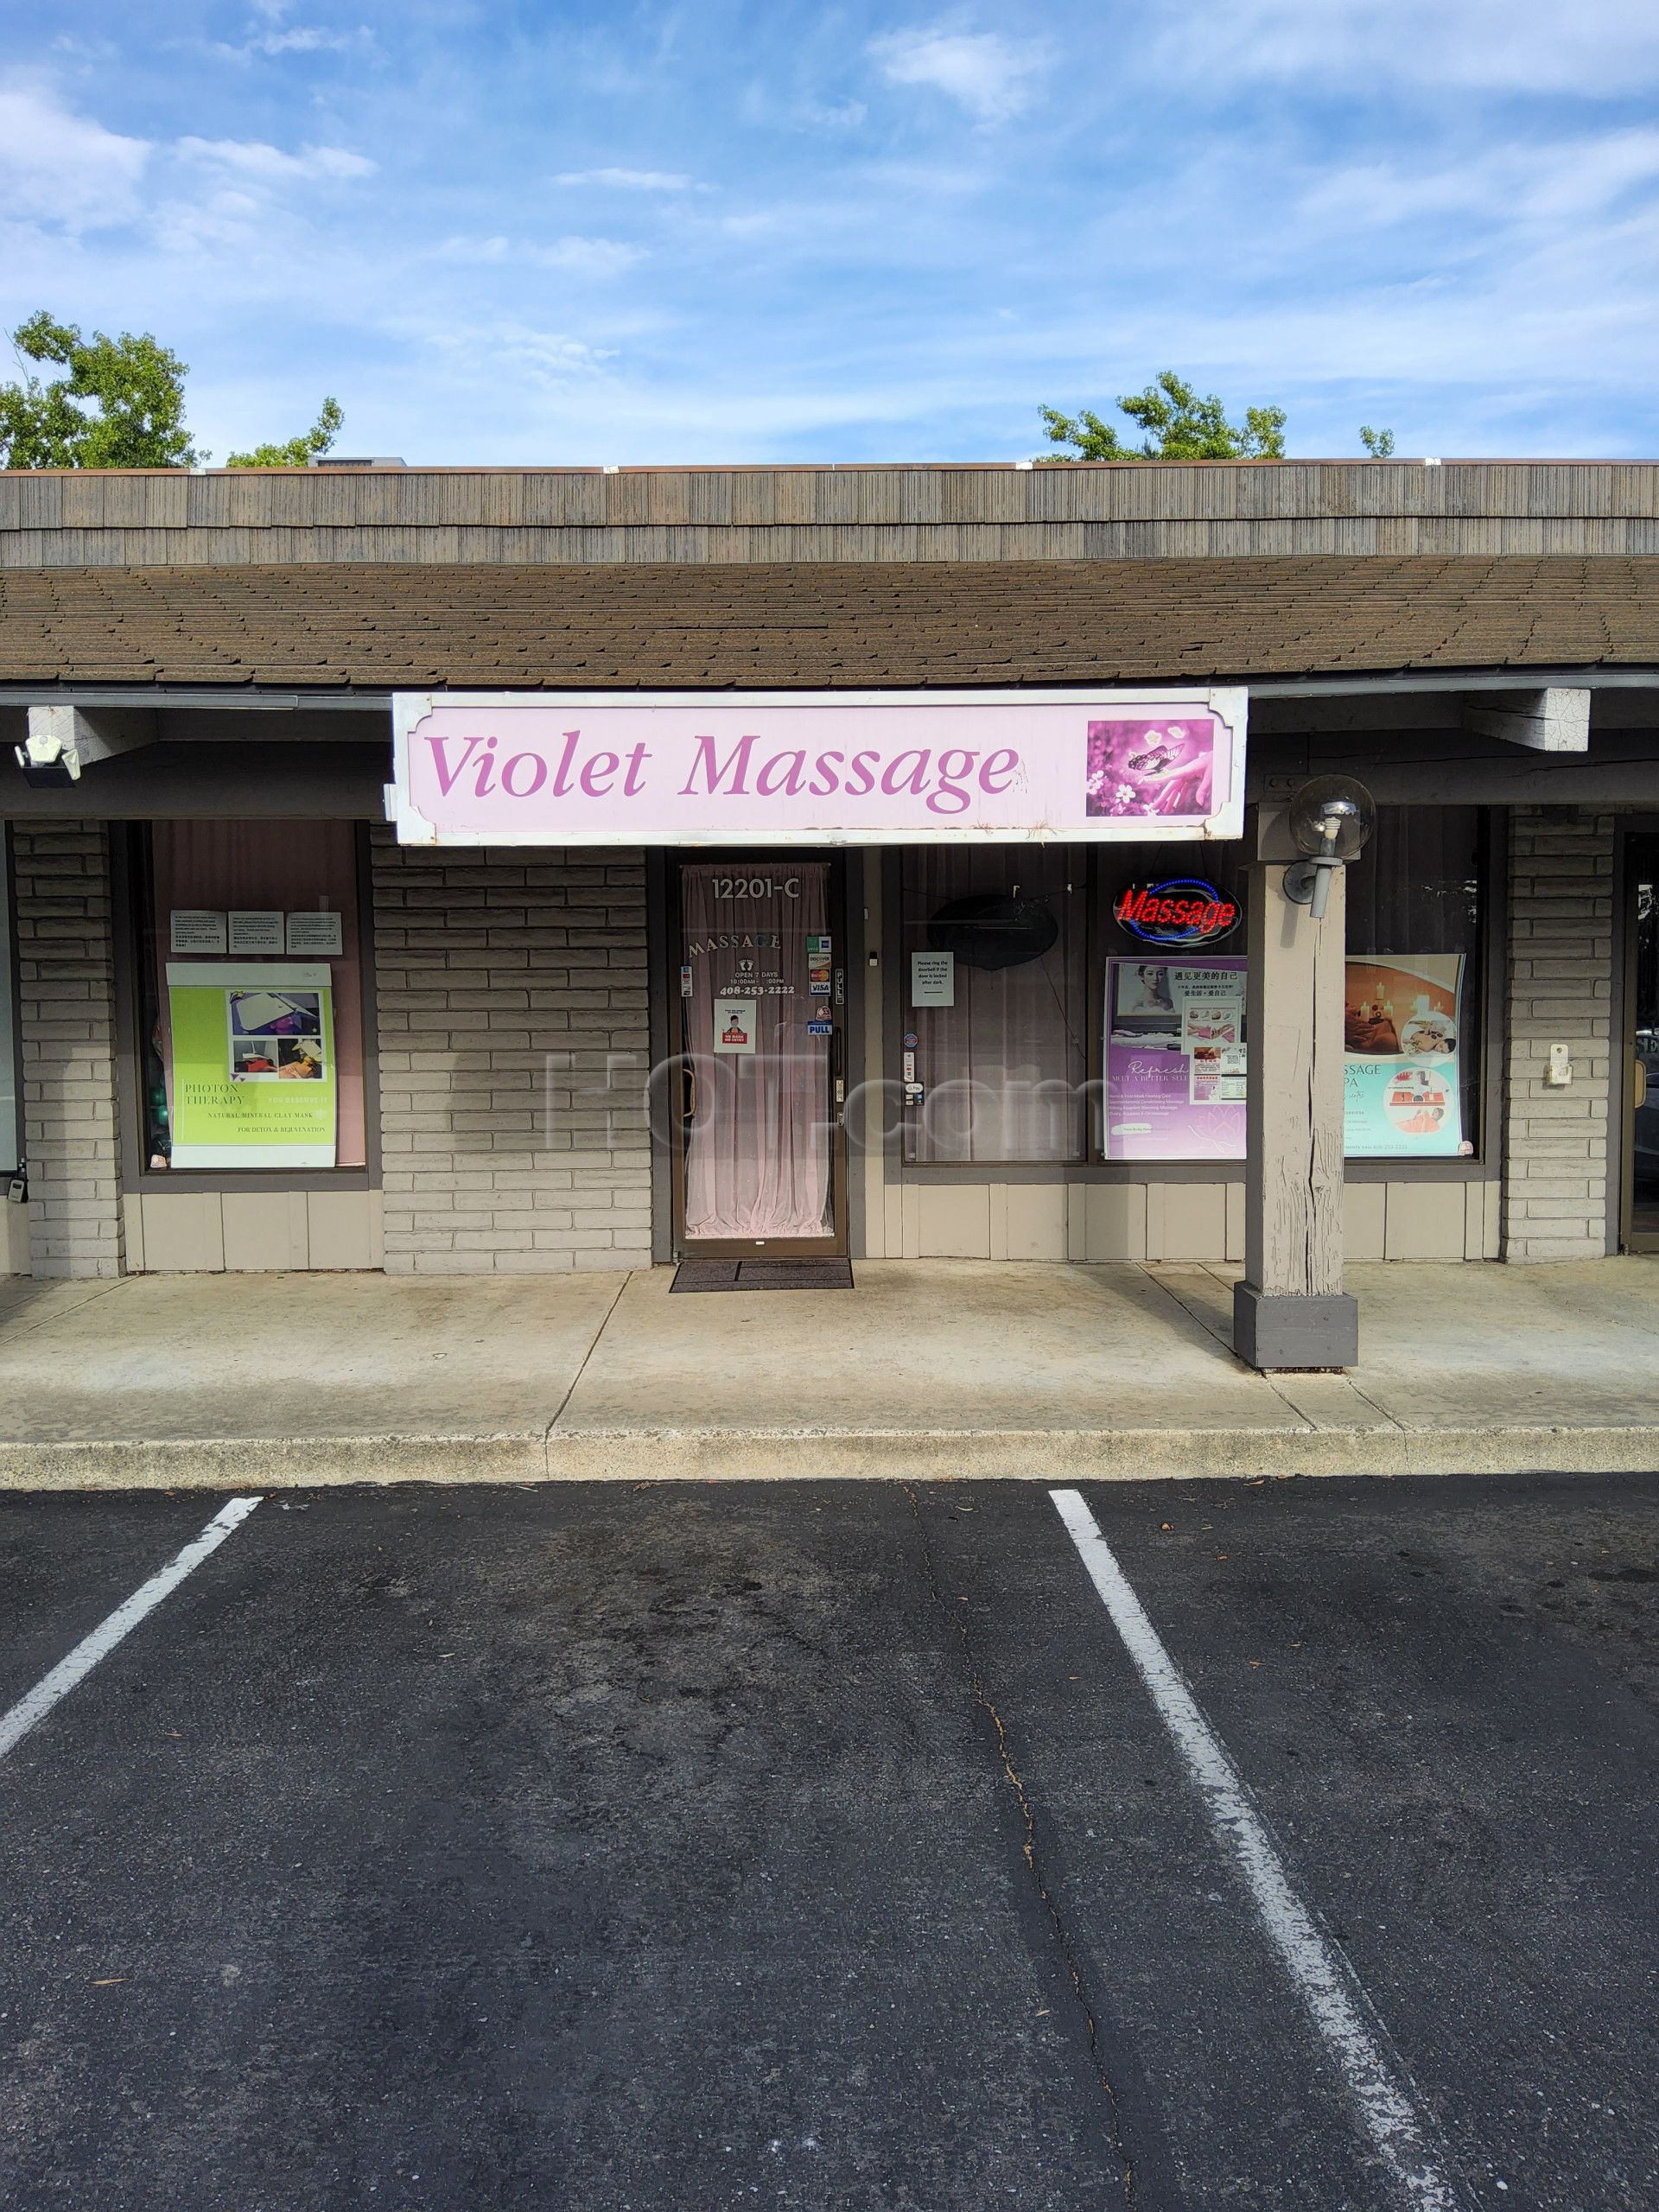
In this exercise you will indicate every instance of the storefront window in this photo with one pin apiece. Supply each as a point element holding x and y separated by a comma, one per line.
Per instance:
<point>11,1119</point>
<point>993,994</point>
<point>1412,1026</point>
<point>1172,919</point>
<point>251,976</point>
<point>1175,1051</point>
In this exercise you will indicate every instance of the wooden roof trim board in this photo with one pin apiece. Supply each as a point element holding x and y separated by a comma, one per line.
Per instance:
<point>952,512</point>
<point>815,625</point>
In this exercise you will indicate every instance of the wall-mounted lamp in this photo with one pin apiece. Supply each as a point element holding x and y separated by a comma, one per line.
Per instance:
<point>1332,820</point>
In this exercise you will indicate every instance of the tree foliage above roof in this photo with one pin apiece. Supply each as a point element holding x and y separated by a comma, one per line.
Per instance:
<point>1178,426</point>
<point>118,403</point>
<point>119,406</point>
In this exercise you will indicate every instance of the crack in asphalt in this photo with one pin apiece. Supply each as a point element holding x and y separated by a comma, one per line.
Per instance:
<point>1030,1853</point>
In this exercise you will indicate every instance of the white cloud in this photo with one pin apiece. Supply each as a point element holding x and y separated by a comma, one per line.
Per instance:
<point>252,158</point>
<point>587,256</point>
<point>629,180</point>
<point>579,257</point>
<point>62,169</point>
<point>986,74</point>
<point>1606,48</point>
<point>1540,183</point>
<point>543,356</point>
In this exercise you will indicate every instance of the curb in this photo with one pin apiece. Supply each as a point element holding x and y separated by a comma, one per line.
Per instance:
<point>736,1455</point>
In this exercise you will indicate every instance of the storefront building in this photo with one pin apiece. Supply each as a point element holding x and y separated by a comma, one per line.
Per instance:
<point>458,872</point>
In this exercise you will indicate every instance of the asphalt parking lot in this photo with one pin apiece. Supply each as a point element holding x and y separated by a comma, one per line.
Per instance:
<point>667,1848</point>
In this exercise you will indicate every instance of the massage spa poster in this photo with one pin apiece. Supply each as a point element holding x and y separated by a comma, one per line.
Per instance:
<point>253,1065</point>
<point>1175,1059</point>
<point>1402,1097</point>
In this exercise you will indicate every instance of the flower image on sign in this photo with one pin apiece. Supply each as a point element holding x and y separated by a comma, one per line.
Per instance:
<point>1139,768</point>
<point>830,768</point>
<point>253,1078</point>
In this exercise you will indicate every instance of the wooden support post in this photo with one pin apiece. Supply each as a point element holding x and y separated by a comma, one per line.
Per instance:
<point>1290,1312</point>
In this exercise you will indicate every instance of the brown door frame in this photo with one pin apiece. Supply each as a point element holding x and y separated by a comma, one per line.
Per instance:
<point>834,1246</point>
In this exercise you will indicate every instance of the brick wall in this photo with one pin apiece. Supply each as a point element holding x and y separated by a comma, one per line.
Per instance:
<point>1560,991</point>
<point>65,962</point>
<point>511,988</point>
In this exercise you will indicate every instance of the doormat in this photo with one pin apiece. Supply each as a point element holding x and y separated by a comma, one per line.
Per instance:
<point>763,1274</point>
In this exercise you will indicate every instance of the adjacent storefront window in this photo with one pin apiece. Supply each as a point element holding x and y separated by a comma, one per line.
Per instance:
<point>994,992</point>
<point>1173,984</point>
<point>1172,991</point>
<point>1412,1026</point>
<point>11,1119</point>
<point>251,982</point>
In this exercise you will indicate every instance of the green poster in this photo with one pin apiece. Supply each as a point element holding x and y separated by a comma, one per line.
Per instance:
<point>253,1065</point>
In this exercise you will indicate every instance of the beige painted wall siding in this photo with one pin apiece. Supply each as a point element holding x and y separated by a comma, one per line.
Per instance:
<point>1035,1222</point>
<point>1365,1207</point>
<point>954,1221</point>
<point>14,1239</point>
<point>1425,1221</point>
<point>1197,1223</point>
<point>252,1232</point>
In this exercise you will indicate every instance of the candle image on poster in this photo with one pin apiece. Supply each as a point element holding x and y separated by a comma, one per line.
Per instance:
<point>1175,1059</point>
<point>1402,1081</point>
<point>253,1065</point>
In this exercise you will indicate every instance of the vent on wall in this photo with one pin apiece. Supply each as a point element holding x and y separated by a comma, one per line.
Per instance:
<point>378,461</point>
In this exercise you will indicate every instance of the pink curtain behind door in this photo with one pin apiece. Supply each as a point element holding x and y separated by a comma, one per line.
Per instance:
<point>757,1160</point>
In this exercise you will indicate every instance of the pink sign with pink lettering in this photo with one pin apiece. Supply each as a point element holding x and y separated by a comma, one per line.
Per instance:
<point>815,768</point>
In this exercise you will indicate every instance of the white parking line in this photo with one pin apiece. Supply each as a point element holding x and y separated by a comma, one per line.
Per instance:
<point>47,1692</point>
<point>1388,2103</point>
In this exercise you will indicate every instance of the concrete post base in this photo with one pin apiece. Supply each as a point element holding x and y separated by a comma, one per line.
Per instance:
<point>1273,1331</point>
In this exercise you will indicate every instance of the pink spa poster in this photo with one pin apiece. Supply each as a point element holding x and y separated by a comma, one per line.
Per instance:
<point>1175,1058</point>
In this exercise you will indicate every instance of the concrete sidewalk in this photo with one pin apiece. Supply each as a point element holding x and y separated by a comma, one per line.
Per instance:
<point>926,1369</point>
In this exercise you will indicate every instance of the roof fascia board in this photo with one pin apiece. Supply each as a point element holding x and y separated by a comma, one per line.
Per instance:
<point>251,699</point>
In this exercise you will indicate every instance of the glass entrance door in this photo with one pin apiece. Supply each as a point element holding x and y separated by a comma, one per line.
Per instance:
<point>762,1002</point>
<point>1642,1093</point>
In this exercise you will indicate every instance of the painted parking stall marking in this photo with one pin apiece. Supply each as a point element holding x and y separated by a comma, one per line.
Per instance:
<point>52,1689</point>
<point>1387,2102</point>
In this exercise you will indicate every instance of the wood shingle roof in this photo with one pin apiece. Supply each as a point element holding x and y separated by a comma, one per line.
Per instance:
<point>821,625</point>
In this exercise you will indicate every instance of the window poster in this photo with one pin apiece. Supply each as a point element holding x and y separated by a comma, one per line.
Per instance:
<point>932,979</point>
<point>254,1080</point>
<point>1175,1059</point>
<point>735,1024</point>
<point>1402,1089</point>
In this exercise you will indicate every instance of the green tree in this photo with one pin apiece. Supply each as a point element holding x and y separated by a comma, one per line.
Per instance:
<point>1378,443</point>
<point>296,453</point>
<point>1178,426</point>
<point>120,405</point>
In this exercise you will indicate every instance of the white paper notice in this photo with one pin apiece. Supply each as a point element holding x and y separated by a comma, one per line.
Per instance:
<point>195,929</point>
<point>932,979</point>
<point>257,930</point>
<point>735,1025</point>
<point>319,935</point>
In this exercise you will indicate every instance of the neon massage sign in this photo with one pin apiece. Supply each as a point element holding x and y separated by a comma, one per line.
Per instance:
<point>1185,911</point>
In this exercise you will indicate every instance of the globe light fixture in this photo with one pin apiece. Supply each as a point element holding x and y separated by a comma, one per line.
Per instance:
<point>1331,820</point>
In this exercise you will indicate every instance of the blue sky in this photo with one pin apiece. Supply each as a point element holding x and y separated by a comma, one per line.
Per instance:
<point>751,230</point>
